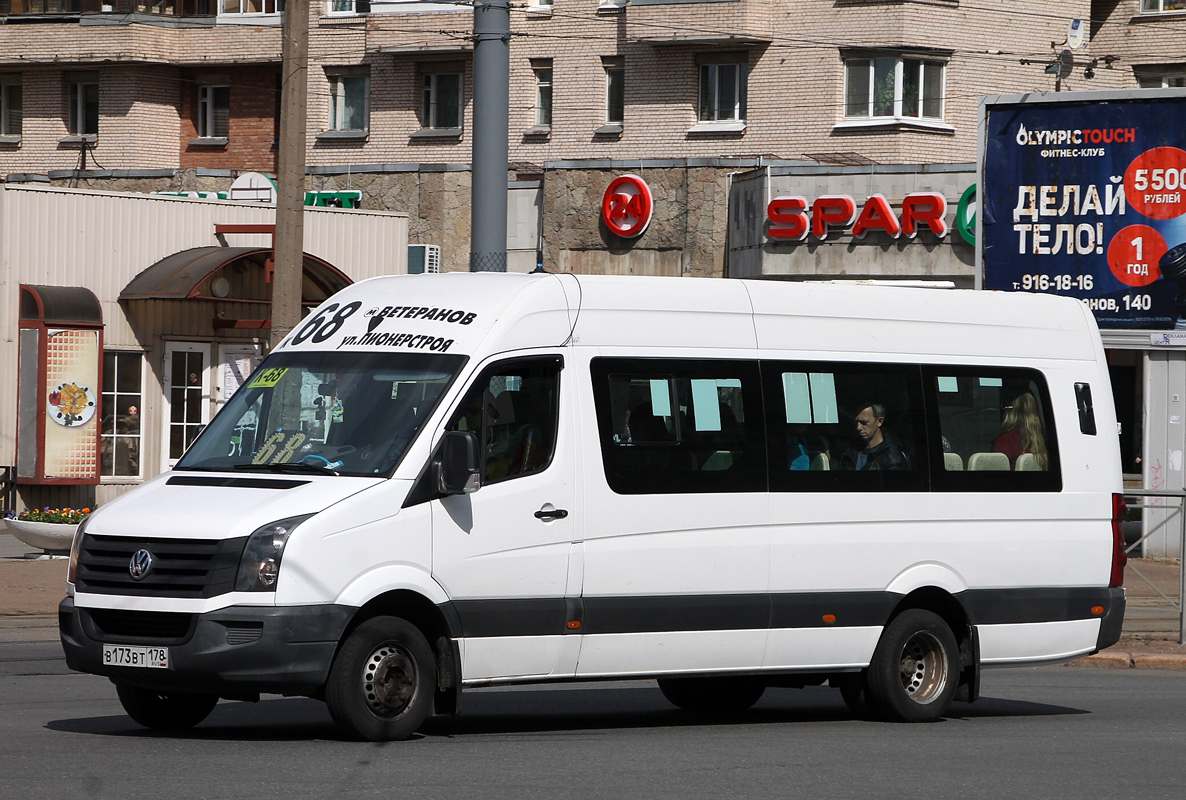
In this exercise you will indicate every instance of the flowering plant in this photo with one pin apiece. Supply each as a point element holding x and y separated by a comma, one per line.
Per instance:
<point>68,516</point>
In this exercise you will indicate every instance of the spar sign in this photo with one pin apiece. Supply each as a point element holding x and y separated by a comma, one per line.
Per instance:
<point>627,205</point>
<point>1088,199</point>
<point>793,218</point>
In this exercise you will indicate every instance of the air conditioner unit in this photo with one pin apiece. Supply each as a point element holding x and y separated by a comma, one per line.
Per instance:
<point>424,258</point>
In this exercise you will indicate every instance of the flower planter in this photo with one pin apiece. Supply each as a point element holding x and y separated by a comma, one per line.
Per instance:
<point>49,536</point>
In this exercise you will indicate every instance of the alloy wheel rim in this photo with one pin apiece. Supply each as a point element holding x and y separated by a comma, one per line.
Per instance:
<point>924,667</point>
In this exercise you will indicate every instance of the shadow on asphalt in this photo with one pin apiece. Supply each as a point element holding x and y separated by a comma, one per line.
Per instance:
<point>523,711</point>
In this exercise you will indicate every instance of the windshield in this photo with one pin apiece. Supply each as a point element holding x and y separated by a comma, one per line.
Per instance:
<point>329,412</point>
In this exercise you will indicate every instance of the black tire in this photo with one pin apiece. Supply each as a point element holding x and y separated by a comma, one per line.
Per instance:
<point>915,669</point>
<point>712,695</point>
<point>165,712</point>
<point>383,681</point>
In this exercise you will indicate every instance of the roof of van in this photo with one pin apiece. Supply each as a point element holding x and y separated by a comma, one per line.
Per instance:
<point>455,312</point>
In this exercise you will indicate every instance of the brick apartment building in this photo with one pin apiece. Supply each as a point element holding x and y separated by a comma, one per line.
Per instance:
<point>183,95</point>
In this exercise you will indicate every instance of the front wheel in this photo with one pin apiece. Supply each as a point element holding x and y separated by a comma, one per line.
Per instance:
<point>165,712</point>
<point>915,668</point>
<point>383,680</point>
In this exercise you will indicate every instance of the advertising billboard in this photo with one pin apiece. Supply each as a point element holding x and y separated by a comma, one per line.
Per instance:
<point>1086,197</point>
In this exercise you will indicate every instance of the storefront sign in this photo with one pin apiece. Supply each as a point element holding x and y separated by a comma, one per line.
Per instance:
<point>793,218</point>
<point>1088,200</point>
<point>627,205</point>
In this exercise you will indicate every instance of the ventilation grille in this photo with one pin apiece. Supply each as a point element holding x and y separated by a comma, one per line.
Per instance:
<point>158,627</point>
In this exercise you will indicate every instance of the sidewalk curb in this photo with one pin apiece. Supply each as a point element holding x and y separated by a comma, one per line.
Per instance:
<point>1154,661</point>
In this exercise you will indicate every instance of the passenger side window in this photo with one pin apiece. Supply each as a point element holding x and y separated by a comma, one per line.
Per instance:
<point>995,429</point>
<point>675,426</point>
<point>845,427</point>
<point>514,410</point>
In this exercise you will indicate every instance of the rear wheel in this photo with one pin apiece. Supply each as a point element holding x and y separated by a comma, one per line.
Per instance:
<point>382,683</point>
<point>164,711</point>
<point>915,668</point>
<point>712,695</point>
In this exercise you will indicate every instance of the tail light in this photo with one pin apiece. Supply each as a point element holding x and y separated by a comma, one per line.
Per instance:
<point>1119,556</point>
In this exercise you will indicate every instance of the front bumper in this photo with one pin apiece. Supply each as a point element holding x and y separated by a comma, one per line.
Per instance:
<point>233,652</point>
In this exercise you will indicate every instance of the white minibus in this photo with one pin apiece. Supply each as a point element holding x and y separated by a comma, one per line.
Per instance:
<point>436,483</point>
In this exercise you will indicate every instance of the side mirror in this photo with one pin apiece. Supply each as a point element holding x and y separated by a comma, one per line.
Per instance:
<point>457,465</point>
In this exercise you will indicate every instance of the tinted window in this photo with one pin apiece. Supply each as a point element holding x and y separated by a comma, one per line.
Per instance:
<point>513,407</point>
<point>845,427</point>
<point>995,430</point>
<point>673,425</point>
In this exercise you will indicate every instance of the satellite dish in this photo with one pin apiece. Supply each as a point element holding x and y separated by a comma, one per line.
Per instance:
<point>1075,34</point>
<point>254,186</point>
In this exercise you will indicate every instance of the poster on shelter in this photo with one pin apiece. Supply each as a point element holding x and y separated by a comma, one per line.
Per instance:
<point>1088,200</point>
<point>72,380</point>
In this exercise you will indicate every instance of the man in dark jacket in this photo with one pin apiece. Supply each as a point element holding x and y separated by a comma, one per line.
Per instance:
<point>879,452</point>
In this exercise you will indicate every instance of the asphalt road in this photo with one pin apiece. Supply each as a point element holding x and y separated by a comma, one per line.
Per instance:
<point>1051,732</point>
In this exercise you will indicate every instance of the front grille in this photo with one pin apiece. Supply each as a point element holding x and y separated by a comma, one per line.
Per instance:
<point>180,567</point>
<point>109,624</point>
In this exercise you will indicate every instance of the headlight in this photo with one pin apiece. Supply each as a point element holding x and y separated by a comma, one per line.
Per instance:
<point>259,566</point>
<point>75,547</point>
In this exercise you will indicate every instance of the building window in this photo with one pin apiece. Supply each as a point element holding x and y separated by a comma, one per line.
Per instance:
<point>214,112</point>
<point>1161,6</point>
<point>84,106</point>
<point>615,94</point>
<point>441,107</point>
<point>893,87</point>
<point>1165,80</point>
<point>543,92</point>
<point>10,105</point>
<point>348,106</point>
<point>722,92</point>
<point>349,7</point>
<point>250,7</point>
<point>123,400</point>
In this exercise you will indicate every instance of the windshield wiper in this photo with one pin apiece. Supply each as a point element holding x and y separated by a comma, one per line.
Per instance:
<point>292,466</point>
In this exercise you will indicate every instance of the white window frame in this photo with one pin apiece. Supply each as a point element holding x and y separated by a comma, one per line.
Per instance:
<point>1159,6</point>
<point>543,94</point>
<point>113,394</point>
<point>869,118</point>
<point>1165,80</point>
<point>430,102</point>
<point>711,75</point>
<point>77,122</point>
<point>347,8</point>
<point>338,95</point>
<point>207,108</point>
<point>172,348</point>
<point>543,7</point>
<point>9,83</point>
<point>268,8</point>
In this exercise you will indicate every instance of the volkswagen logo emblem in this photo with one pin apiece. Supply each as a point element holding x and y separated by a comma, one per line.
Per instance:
<point>140,565</point>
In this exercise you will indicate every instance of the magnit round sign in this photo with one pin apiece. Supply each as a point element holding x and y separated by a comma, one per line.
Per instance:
<point>1088,200</point>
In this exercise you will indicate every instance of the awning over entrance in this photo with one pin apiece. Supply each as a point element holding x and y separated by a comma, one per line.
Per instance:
<point>192,274</point>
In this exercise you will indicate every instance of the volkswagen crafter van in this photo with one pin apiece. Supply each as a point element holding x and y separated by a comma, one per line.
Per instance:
<point>442,482</point>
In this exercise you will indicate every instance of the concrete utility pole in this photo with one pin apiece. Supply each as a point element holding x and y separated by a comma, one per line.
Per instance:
<point>492,82</point>
<point>289,254</point>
